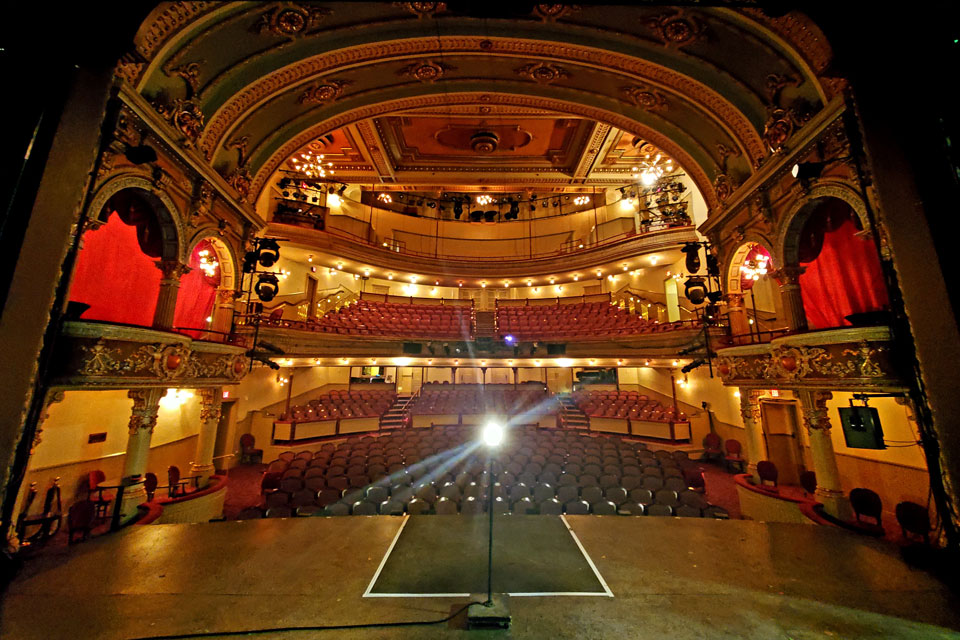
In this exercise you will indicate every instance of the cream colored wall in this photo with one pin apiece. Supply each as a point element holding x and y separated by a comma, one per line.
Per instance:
<point>700,388</point>
<point>260,388</point>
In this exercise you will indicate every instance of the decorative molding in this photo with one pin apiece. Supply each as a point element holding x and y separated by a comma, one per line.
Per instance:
<point>816,416</point>
<point>190,74</point>
<point>146,406</point>
<point>426,70</point>
<point>542,72</point>
<point>676,29</point>
<point>53,397</point>
<point>164,21</point>
<point>186,117</point>
<point>645,97</point>
<point>775,84</point>
<point>211,401</point>
<point>423,9</point>
<point>548,12</point>
<point>290,19</point>
<point>709,101</point>
<point>328,91</point>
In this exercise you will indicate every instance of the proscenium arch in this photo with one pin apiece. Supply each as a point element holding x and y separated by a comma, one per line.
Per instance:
<point>738,256</point>
<point>274,160</point>
<point>788,238</point>
<point>225,255</point>
<point>173,247</point>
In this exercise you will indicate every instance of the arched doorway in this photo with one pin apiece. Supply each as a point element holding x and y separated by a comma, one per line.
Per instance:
<point>753,298</point>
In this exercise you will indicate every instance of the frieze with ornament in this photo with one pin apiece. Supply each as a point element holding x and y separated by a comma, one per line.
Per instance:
<point>676,29</point>
<point>423,9</point>
<point>426,71</point>
<point>325,92</point>
<point>109,361</point>
<point>186,117</point>
<point>290,20</point>
<point>867,363</point>
<point>542,72</point>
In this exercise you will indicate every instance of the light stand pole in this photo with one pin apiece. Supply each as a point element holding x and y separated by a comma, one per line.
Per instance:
<point>493,612</point>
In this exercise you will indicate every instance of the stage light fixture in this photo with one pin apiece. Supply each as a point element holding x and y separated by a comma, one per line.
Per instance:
<point>807,170</point>
<point>140,154</point>
<point>267,286</point>
<point>476,215</point>
<point>268,252</point>
<point>692,251</point>
<point>695,289</point>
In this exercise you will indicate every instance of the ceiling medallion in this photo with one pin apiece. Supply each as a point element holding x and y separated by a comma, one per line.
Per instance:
<point>645,97</point>
<point>423,9</point>
<point>426,70</point>
<point>290,20</point>
<point>324,93</point>
<point>543,73</point>
<point>676,29</point>
<point>484,142</point>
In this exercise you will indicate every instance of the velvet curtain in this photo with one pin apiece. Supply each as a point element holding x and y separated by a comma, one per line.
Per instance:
<point>197,292</point>
<point>843,274</point>
<point>114,276</point>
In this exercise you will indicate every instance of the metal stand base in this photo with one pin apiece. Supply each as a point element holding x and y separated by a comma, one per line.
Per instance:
<point>496,615</point>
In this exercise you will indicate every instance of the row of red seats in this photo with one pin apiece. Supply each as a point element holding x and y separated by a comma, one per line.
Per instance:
<point>625,404</point>
<point>505,401</point>
<point>340,404</point>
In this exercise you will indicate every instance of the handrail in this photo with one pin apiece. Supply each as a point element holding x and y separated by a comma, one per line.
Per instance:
<point>543,302</point>
<point>385,297</point>
<point>584,246</point>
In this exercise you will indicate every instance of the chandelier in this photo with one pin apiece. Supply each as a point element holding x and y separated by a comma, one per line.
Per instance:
<point>581,200</point>
<point>311,165</point>
<point>755,267</point>
<point>484,199</point>
<point>385,198</point>
<point>652,168</point>
<point>208,263</point>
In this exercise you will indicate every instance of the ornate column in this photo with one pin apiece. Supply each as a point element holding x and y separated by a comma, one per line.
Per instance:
<point>210,403</point>
<point>817,421</point>
<point>143,419</point>
<point>737,314</point>
<point>753,424</point>
<point>789,279</point>
<point>223,309</point>
<point>169,287</point>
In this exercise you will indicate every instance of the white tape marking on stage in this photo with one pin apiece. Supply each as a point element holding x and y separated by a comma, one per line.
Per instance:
<point>587,556</point>
<point>393,543</point>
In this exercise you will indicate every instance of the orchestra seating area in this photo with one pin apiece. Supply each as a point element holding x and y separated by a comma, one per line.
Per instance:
<point>580,321</point>
<point>469,399</point>
<point>342,404</point>
<point>625,404</point>
<point>372,318</point>
<point>443,470</point>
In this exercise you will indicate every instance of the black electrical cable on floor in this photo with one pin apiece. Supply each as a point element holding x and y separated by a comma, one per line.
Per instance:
<point>338,627</point>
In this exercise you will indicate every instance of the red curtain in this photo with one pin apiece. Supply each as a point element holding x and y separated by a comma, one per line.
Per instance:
<point>115,277</point>
<point>844,278</point>
<point>197,291</point>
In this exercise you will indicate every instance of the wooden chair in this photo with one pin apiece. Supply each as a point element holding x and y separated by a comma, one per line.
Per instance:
<point>734,455</point>
<point>101,500</point>
<point>808,480</point>
<point>150,484</point>
<point>767,471</point>
<point>80,519</point>
<point>175,486</point>
<point>248,452</point>
<point>711,447</point>
<point>914,519</point>
<point>867,503</point>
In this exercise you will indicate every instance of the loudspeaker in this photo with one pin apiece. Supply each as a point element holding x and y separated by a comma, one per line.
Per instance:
<point>412,348</point>
<point>861,427</point>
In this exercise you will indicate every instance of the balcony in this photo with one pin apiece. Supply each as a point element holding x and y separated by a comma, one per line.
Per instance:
<point>852,358</point>
<point>108,355</point>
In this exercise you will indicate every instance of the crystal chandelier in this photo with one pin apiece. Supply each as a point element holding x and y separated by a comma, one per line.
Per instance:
<point>311,165</point>
<point>208,263</point>
<point>755,267</point>
<point>385,198</point>
<point>581,200</point>
<point>652,168</point>
<point>484,199</point>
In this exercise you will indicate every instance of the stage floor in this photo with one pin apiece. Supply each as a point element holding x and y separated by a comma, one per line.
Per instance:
<point>670,578</point>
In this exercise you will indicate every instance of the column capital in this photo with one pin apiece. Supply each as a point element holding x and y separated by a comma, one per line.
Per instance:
<point>226,297</point>
<point>172,270</point>
<point>733,299</point>
<point>210,403</point>
<point>52,397</point>
<point>814,405</point>
<point>146,405</point>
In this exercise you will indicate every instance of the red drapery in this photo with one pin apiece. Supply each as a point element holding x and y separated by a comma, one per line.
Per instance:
<point>844,278</point>
<point>197,292</point>
<point>115,277</point>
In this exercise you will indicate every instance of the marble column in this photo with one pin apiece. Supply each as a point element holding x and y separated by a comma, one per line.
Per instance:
<point>789,279</point>
<point>737,314</point>
<point>210,403</point>
<point>169,288</point>
<point>817,421</point>
<point>756,448</point>
<point>223,311</point>
<point>143,419</point>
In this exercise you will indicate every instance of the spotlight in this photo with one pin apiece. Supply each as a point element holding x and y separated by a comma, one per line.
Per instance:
<point>693,365</point>
<point>508,339</point>
<point>250,262</point>
<point>514,212</point>
<point>268,252</point>
<point>284,183</point>
<point>713,265</point>
<point>695,289</point>
<point>476,215</point>
<point>807,170</point>
<point>692,251</point>
<point>267,286</point>
<point>342,188</point>
<point>490,215</point>
<point>457,209</point>
<point>714,296</point>
<point>493,435</point>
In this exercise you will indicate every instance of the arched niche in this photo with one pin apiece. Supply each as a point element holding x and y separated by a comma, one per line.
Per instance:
<point>159,202</point>
<point>788,239</point>
<point>738,258</point>
<point>224,254</point>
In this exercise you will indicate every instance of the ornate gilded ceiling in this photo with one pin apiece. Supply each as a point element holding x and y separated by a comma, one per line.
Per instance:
<point>248,85</point>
